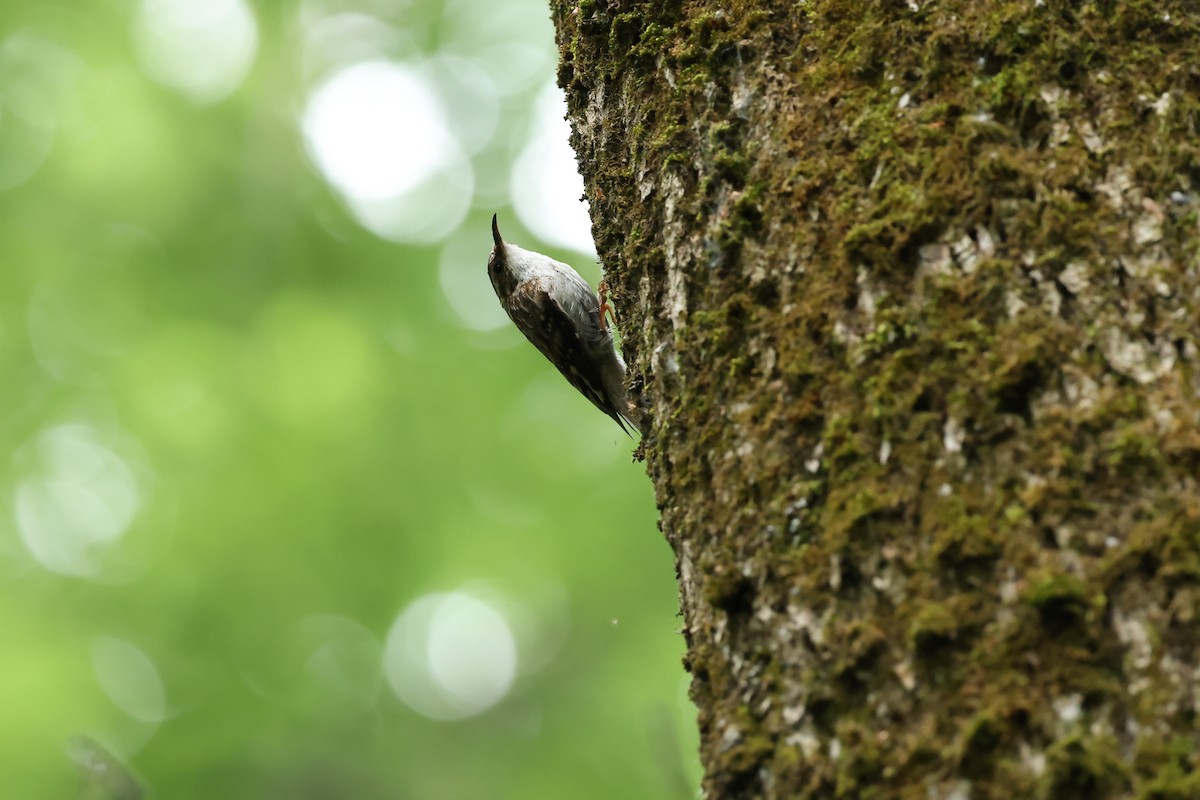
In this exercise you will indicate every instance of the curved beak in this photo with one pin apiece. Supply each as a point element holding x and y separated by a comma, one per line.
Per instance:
<point>496,235</point>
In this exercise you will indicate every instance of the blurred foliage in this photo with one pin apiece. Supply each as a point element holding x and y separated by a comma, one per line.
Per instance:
<point>246,433</point>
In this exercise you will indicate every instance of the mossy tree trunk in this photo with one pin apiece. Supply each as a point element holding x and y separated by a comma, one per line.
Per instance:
<point>909,293</point>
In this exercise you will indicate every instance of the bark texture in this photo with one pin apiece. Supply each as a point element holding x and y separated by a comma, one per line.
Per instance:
<point>909,294</point>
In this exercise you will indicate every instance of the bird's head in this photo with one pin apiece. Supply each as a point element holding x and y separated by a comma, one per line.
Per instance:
<point>498,268</point>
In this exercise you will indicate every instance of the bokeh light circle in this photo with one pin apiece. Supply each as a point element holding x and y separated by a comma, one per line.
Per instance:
<point>201,48</point>
<point>39,93</point>
<point>546,187</point>
<point>425,215</point>
<point>375,130</point>
<point>513,40</point>
<point>450,656</point>
<point>339,39</point>
<point>129,679</point>
<point>77,501</point>
<point>378,134</point>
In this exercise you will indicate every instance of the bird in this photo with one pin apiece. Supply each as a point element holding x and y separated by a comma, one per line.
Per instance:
<point>560,313</point>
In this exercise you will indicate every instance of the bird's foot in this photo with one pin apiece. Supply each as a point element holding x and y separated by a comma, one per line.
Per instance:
<point>605,308</point>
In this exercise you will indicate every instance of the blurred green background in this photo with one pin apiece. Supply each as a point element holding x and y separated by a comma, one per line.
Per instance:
<point>291,511</point>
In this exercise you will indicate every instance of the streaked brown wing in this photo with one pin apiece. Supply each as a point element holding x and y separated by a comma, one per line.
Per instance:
<point>544,322</point>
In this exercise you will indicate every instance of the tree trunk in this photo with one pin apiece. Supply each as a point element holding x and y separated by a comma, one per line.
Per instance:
<point>908,292</point>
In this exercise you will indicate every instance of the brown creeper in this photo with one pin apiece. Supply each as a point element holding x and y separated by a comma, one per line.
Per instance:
<point>557,310</point>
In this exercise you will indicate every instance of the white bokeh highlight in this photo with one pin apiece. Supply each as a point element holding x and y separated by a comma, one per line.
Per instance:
<point>129,679</point>
<point>339,39</point>
<point>450,656</point>
<point>470,100</point>
<point>39,94</point>
<point>512,41</point>
<point>76,502</point>
<point>377,132</point>
<point>200,48</point>
<point>425,215</point>
<point>546,187</point>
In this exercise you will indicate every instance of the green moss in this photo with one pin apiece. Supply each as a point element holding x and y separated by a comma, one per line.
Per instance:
<point>1083,767</point>
<point>624,31</point>
<point>861,763</point>
<point>732,593</point>
<point>748,748</point>
<point>655,38</point>
<point>933,626</point>
<point>864,642</point>
<point>1176,775</point>
<point>743,221</point>
<point>676,159</point>
<point>1014,514</point>
<point>1058,597</point>
<point>980,745</point>
<point>959,536</point>
<point>668,136</point>
<point>1173,783</point>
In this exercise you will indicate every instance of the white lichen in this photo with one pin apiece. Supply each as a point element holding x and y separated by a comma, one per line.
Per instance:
<point>1138,360</point>
<point>1147,229</point>
<point>1013,303</point>
<point>1114,186</point>
<point>793,714</point>
<point>986,240</point>
<point>805,739</point>
<point>813,463</point>
<point>1133,632</point>
<point>663,359</point>
<point>1091,140</point>
<point>959,790</point>
<point>730,737</point>
<point>1075,277</point>
<point>1033,758</point>
<point>966,251</point>
<point>1069,708</point>
<point>1081,391</point>
<point>953,434</point>
<point>935,258</point>
<point>1051,95</point>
